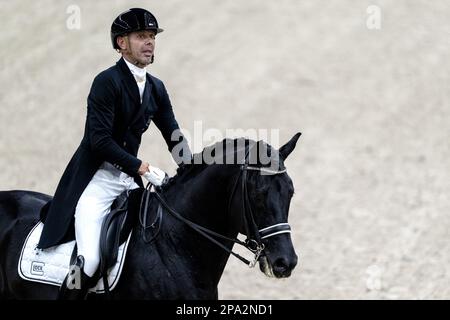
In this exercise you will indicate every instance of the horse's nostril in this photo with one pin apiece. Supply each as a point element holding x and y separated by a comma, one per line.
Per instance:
<point>280,264</point>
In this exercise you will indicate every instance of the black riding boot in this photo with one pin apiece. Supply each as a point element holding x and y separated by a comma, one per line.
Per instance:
<point>76,284</point>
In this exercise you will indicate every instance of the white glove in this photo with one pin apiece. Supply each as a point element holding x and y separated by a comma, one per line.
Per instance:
<point>155,176</point>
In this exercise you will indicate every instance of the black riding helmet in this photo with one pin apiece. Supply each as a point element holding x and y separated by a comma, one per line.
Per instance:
<point>135,19</point>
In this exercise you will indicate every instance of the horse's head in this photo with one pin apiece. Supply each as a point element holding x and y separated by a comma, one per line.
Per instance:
<point>269,195</point>
<point>258,200</point>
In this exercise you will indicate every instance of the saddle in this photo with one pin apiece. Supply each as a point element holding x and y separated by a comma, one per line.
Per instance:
<point>119,223</point>
<point>115,230</point>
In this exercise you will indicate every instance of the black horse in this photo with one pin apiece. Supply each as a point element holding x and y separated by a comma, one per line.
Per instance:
<point>209,205</point>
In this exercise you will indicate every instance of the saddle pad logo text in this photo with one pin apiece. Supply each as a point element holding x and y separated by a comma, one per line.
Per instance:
<point>37,268</point>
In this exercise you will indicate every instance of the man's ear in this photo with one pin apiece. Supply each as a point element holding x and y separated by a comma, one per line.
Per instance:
<point>121,42</point>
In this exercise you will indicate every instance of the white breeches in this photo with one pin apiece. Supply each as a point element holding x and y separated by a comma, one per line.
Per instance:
<point>93,207</point>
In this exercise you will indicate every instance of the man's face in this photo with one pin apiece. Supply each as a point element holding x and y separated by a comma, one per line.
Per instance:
<point>138,47</point>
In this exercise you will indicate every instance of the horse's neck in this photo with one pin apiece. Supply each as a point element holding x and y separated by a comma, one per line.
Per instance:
<point>203,200</point>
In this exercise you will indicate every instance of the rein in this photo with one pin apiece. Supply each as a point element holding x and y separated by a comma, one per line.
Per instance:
<point>254,245</point>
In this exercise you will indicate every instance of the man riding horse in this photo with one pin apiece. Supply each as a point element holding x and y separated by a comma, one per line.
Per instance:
<point>121,104</point>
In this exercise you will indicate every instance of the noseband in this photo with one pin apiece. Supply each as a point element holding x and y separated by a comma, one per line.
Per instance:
<point>254,235</point>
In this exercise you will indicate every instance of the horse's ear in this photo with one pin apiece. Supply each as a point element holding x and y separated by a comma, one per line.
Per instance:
<point>286,150</point>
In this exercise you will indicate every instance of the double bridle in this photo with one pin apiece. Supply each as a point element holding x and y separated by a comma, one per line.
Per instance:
<point>254,235</point>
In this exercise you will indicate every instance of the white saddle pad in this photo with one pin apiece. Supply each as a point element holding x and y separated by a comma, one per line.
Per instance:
<point>51,265</point>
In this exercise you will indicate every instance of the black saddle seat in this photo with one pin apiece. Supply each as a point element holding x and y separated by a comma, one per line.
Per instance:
<point>116,227</point>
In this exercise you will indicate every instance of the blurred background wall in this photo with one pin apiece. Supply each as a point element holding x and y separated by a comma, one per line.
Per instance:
<point>366,82</point>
